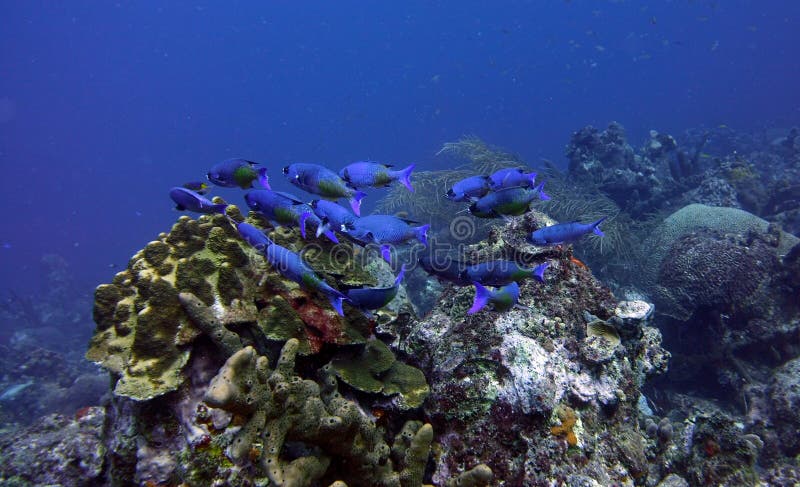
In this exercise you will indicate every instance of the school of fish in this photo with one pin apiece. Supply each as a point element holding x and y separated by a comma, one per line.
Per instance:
<point>503,194</point>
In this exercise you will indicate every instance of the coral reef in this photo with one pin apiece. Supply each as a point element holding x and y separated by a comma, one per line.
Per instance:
<point>202,279</point>
<point>513,389</point>
<point>42,340</point>
<point>281,407</point>
<point>692,218</point>
<point>56,450</point>
<point>637,183</point>
<point>784,394</point>
<point>187,331</point>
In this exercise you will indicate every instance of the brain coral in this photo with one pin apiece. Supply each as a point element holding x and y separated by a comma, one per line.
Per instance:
<point>709,269</point>
<point>692,218</point>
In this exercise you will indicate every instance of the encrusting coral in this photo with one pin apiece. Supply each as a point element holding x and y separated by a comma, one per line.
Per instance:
<point>376,370</point>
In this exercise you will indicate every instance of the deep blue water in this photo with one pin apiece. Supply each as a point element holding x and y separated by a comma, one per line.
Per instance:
<point>106,105</point>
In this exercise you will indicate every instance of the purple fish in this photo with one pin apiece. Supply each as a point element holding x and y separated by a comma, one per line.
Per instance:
<point>564,232</point>
<point>254,236</point>
<point>291,266</point>
<point>511,178</point>
<point>286,209</point>
<point>334,215</point>
<point>368,174</point>
<point>238,173</point>
<point>501,272</point>
<point>198,187</point>
<point>186,199</point>
<point>386,230</point>
<point>321,181</point>
<point>367,299</point>
<point>468,189</point>
<point>445,268</point>
<point>507,202</point>
<point>501,299</point>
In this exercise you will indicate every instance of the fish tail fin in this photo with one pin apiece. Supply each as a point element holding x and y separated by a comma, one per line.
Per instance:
<point>482,295</point>
<point>596,226</point>
<point>263,179</point>
<point>538,271</point>
<point>422,234</point>
<point>532,179</point>
<point>542,195</point>
<point>355,202</point>
<point>405,177</point>
<point>303,219</point>
<point>336,301</point>
<point>331,236</point>
<point>400,275</point>
<point>221,208</point>
<point>386,252</point>
<point>323,227</point>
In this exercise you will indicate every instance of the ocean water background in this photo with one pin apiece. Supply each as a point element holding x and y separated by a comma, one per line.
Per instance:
<point>106,105</point>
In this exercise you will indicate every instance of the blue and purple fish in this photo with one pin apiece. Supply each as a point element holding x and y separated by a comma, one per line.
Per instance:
<point>253,236</point>
<point>469,189</point>
<point>367,174</point>
<point>321,181</point>
<point>387,230</point>
<point>334,215</point>
<point>445,268</point>
<point>501,299</point>
<point>238,173</point>
<point>564,232</point>
<point>501,272</point>
<point>291,266</point>
<point>372,298</point>
<point>186,199</point>
<point>507,202</point>
<point>511,178</point>
<point>198,187</point>
<point>282,208</point>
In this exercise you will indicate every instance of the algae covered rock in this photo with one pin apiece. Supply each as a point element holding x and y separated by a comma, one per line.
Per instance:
<point>516,390</point>
<point>202,279</point>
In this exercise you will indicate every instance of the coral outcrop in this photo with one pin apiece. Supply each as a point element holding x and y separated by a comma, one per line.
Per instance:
<point>513,390</point>
<point>187,331</point>
<point>696,217</point>
<point>202,279</point>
